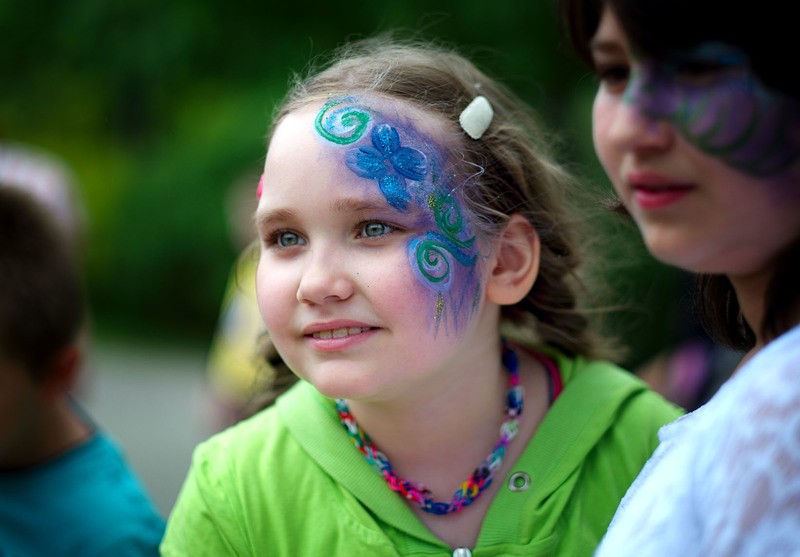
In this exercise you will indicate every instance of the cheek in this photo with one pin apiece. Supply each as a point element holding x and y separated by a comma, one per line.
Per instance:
<point>271,293</point>
<point>446,282</point>
<point>602,120</point>
<point>398,281</point>
<point>395,287</point>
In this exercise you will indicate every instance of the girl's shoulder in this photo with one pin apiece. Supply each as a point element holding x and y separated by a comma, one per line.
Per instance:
<point>775,365</point>
<point>607,388</point>
<point>264,433</point>
<point>761,400</point>
<point>604,412</point>
<point>764,388</point>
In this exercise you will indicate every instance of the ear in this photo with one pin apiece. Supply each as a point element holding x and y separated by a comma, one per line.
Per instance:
<point>62,373</point>
<point>514,262</point>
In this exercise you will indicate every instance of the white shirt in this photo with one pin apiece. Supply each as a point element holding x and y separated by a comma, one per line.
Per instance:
<point>725,479</point>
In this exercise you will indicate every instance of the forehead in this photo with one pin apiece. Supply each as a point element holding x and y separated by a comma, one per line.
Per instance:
<point>365,140</point>
<point>317,117</point>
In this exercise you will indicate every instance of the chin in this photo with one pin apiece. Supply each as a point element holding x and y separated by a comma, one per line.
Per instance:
<point>340,386</point>
<point>674,256</point>
<point>686,260</point>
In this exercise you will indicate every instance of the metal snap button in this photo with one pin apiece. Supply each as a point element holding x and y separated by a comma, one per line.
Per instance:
<point>519,481</point>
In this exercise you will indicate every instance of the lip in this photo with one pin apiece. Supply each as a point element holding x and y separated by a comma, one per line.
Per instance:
<point>653,191</point>
<point>341,334</point>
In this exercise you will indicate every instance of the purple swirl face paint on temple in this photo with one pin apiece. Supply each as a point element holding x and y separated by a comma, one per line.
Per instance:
<point>406,167</point>
<point>714,99</point>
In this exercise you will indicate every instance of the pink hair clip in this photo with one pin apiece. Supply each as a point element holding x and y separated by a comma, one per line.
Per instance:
<point>260,187</point>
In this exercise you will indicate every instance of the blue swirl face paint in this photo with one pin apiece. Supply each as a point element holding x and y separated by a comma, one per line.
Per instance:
<point>715,100</point>
<point>443,256</point>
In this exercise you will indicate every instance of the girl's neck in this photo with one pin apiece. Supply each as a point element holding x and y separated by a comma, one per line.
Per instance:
<point>57,429</point>
<point>427,428</point>
<point>439,440</point>
<point>751,292</point>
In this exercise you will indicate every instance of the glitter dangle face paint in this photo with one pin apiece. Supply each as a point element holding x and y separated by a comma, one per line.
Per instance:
<point>443,255</point>
<point>432,254</point>
<point>715,100</point>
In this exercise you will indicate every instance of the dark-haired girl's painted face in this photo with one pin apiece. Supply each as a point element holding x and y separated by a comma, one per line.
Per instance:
<point>369,273</point>
<point>702,154</point>
<point>716,102</point>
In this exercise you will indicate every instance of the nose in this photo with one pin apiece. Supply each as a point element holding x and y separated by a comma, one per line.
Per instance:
<point>325,278</point>
<point>644,120</point>
<point>636,131</point>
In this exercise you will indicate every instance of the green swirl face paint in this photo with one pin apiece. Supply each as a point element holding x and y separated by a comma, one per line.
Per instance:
<point>343,125</point>
<point>406,168</point>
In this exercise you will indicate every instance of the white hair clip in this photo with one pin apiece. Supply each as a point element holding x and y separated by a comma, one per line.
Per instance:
<point>475,119</point>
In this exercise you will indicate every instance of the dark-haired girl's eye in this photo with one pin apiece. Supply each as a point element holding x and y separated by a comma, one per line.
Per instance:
<point>613,76</point>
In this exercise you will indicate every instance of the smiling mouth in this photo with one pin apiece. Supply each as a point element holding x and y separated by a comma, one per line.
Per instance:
<point>340,333</point>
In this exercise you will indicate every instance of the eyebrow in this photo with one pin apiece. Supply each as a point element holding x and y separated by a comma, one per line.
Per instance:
<point>264,218</point>
<point>346,205</point>
<point>357,205</point>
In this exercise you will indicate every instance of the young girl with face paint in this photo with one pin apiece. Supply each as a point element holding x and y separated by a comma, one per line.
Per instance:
<point>697,123</point>
<point>407,209</point>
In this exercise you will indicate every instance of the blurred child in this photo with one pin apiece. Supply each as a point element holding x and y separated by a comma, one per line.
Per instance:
<point>65,489</point>
<point>49,181</point>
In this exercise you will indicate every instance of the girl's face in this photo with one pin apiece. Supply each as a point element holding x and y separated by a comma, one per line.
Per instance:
<point>702,154</point>
<point>370,281</point>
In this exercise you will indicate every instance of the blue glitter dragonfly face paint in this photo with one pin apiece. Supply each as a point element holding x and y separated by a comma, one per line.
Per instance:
<point>714,99</point>
<point>407,168</point>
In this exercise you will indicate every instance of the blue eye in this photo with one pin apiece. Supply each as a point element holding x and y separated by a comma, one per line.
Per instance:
<point>375,229</point>
<point>288,239</point>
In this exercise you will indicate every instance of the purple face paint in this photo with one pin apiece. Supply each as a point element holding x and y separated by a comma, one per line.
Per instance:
<point>433,255</point>
<point>715,100</point>
<point>406,167</point>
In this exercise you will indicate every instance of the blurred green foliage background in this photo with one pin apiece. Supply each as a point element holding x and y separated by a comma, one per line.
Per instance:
<point>159,106</point>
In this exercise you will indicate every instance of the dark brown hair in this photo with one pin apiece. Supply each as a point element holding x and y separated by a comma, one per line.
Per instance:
<point>42,302</point>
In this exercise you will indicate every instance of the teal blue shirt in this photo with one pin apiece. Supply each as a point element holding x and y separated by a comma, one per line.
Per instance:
<point>288,482</point>
<point>83,503</point>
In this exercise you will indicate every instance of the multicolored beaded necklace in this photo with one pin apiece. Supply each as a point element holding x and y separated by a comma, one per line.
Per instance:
<point>482,476</point>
